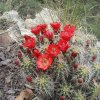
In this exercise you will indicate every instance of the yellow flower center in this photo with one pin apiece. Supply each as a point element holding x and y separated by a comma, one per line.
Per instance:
<point>53,49</point>
<point>45,62</point>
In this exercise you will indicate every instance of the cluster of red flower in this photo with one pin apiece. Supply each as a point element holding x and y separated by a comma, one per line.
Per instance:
<point>44,60</point>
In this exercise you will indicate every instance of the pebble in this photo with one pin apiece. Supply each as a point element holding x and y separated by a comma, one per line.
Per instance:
<point>5,62</point>
<point>2,57</point>
<point>10,91</point>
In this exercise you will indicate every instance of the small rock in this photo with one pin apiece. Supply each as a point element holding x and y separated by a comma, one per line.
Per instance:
<point>10,91</point>
<point>8,79</point>
<point>10,97</point>
<point>29,86</point>
<point>8,48</point>
<point>1,48</point>
<point>5,62</point>
<point>5,88</point>
<point>29,23</point>
<point>1,95</point>
<point>2,57</point>
<point>0,64</point>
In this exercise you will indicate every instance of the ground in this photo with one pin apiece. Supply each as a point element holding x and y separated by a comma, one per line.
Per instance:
<point>11,80</point>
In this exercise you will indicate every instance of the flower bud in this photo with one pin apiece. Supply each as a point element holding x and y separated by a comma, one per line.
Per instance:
<point>36,53</point>
<point>29,78</point>
<point>75,66</point>
<point>16,62</point>
<point>74,54</point>
<point>19,54</point>
<point>62,98</point>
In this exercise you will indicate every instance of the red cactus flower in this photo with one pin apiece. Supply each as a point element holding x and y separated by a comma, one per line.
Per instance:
<point>62,98</point>
<point>26,37</point>
<point>42,27</point>
<point>44,61</point>
<point>36,53</point>
<point>75,66</point>
<point>29,42</point>
<point>74,54</point>
<point>55,26</point>
<point>63,45</point>
<point>53,50</point>
<point>69,28</point>
<point>19,54</point>
<point>48,35</point>
<point>36,30</point>
<point>29,78</point>
<point>65,35</point>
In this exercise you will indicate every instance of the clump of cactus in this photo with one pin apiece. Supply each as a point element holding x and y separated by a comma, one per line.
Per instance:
<point>61,63</point>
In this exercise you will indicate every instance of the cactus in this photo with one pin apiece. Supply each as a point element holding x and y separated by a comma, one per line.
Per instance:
<point>44,86</point>
<point>64,66</point>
